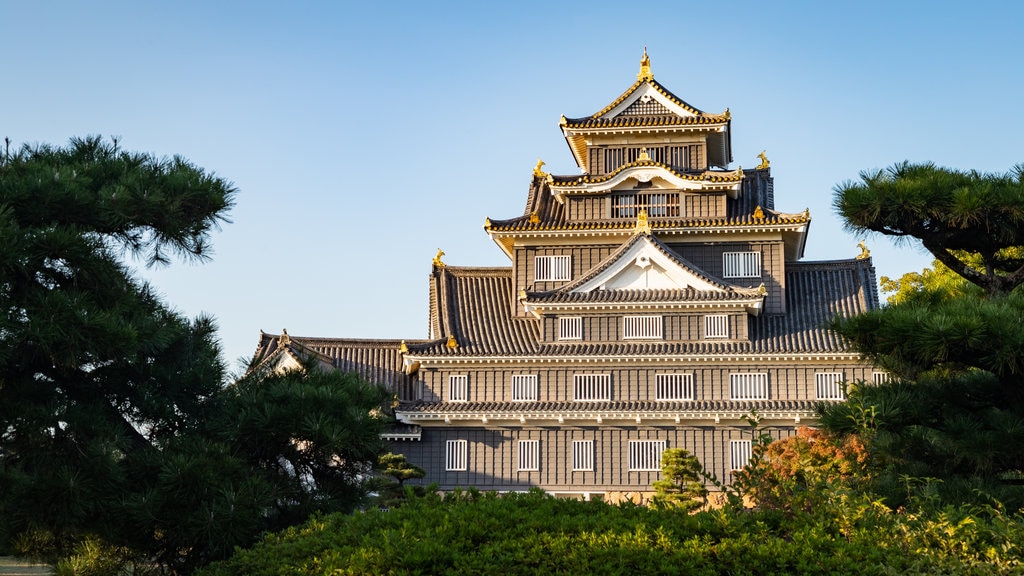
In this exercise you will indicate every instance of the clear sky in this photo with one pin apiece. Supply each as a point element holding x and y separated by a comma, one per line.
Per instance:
<point>362,136</point>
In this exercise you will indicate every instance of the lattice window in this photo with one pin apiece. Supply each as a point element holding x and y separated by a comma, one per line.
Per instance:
<point>829,386</point>
<point>637,327</point>
<point>524,387</point>
<point>674,386</point>
<point>739,454</point>
<point>570,328</point>
<point>456,455</point>
<point>582,455</point>
<point>529,455</point>
<point>748,386</point>
<point>741,265</point>
<point>458,388</point>
<point>552,268</point>
<point>645,455</point>
<point>645,106</point>
<point>592,387</point>
<point>716,326</point>
<point>657,204</point>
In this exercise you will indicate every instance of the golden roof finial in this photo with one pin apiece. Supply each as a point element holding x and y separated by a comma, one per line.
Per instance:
<point>537,171</point>
<point>284,339</point>
<point>451,342</point>
<point>758,213</point>
<point>764,161</point>
<point>522,294</point>
<point>864,252</point>
<point>645,68</point>
<point>534,219</point>
<point>487,222</point>
<point>437,259</point>
<point>403,348</point>
<point>761,289</point>
<point>644,156</point>
<point>642,225</point>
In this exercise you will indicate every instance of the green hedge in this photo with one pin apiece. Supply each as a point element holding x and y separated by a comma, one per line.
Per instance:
<point>473,533</point>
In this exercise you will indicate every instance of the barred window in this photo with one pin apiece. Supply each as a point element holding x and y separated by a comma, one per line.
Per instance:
<point>552,268</point>
<point>458,388</point>
<point>456,455</point>
<point>739,454</point>
<point>880,377</point>
<point>524,387</point>
<point>645,455</point>
<point>592,387</point>
<point>570,328</point>
<point>529,455</point>
<point>716,326</point>
<point>748,386</point>
<point>829,386</point>
<point>657,204</point>
<point>582,455</point>
<point>674,386</point>
<point>637,327</point>
<point>741,265</point>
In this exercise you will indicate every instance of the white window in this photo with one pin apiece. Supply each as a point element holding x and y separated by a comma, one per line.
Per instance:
<point>582,455</point>
<point>529,455</point>
<point>674,386</point>
<point>748,386</point>
<point>456,455</point>
<point>570,328</point>
<point>552,268</point>
<point>641,326</point>
<point>739,454</point>
<point>645,455</point>
<point>716,326</point>
<point>592,387</point>
<point>741,265</point>
<point>524,387</point>
<point>458,388</point>
<point>880,377</point>
<point>829,385</point>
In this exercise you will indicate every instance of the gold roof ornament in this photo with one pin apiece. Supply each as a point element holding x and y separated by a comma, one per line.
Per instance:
<point>403,348</point>
<point>451,342</point>
<point>284,339</point>
<point>437,259</point>
<point>537,171</point>
<point>761,289</point>
<point>864,252</point>
<point>728,115</point>
<point>522,294</point>
<point>764,161</point>
<point>758,213</point>
<point>534,219</point>
<point>645,68</point>
<point>642,225</point>
<point>487,222</point>
<point>644,156</point>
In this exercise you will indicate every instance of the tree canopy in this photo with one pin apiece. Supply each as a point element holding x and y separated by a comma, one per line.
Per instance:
<point>115,417</point>
<point>956,215</point>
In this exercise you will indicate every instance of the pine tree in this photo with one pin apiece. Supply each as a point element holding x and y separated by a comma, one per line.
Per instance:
<point>680,485</point>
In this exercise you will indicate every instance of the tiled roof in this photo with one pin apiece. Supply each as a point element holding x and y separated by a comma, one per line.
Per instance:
<point>645,296</point>
<point>705,176</point>
<point>654,84</point>
<point>621,407</point>
<point>645,121</point>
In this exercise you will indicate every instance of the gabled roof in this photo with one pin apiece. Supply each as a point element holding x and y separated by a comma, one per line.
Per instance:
<point>644,170</point>
<point>645,270</point>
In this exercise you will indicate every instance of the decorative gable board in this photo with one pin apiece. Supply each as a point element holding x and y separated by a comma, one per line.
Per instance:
<point>644,94</point>
<point>645,266</point>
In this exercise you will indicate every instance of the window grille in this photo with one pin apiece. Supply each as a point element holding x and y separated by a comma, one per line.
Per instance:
<point>716,326</point>
<point>748,386</point>
<point>456,455</point>
<point>592,387</point>
<point>739,454</point>
<point>524,388</point>
<point>741,265</point>
<point>582,455</point>
<point>645,455</point>
<point>635,327</point>
<point>529,455</point>
<point>458,388</point>
<point>570,328</point>
<point>552,268</point>
<point>674,386</point>
<point>880,377</point>
<point>657,204</point>
<point>829,386</point>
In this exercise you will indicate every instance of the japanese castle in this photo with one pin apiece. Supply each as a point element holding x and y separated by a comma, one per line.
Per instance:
<point>655,300</point>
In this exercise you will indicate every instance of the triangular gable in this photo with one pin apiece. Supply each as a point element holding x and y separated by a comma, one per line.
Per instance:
<point>645,99</point>
<point>646,265</point>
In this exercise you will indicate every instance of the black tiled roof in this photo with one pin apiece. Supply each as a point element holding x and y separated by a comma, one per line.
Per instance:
<point>527,408</point>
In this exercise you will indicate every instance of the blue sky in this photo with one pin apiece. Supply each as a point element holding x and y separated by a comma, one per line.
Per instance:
<point>363,136</point>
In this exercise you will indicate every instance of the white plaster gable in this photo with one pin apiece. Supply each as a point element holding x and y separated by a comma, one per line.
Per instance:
<point>646,92</point>
<point>645,267</point>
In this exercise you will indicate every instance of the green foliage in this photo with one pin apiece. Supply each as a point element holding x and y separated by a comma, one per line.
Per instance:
<point>116,429</point>
<point>393,470</point>
<point>681,485</point>
<point>532,533</point>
